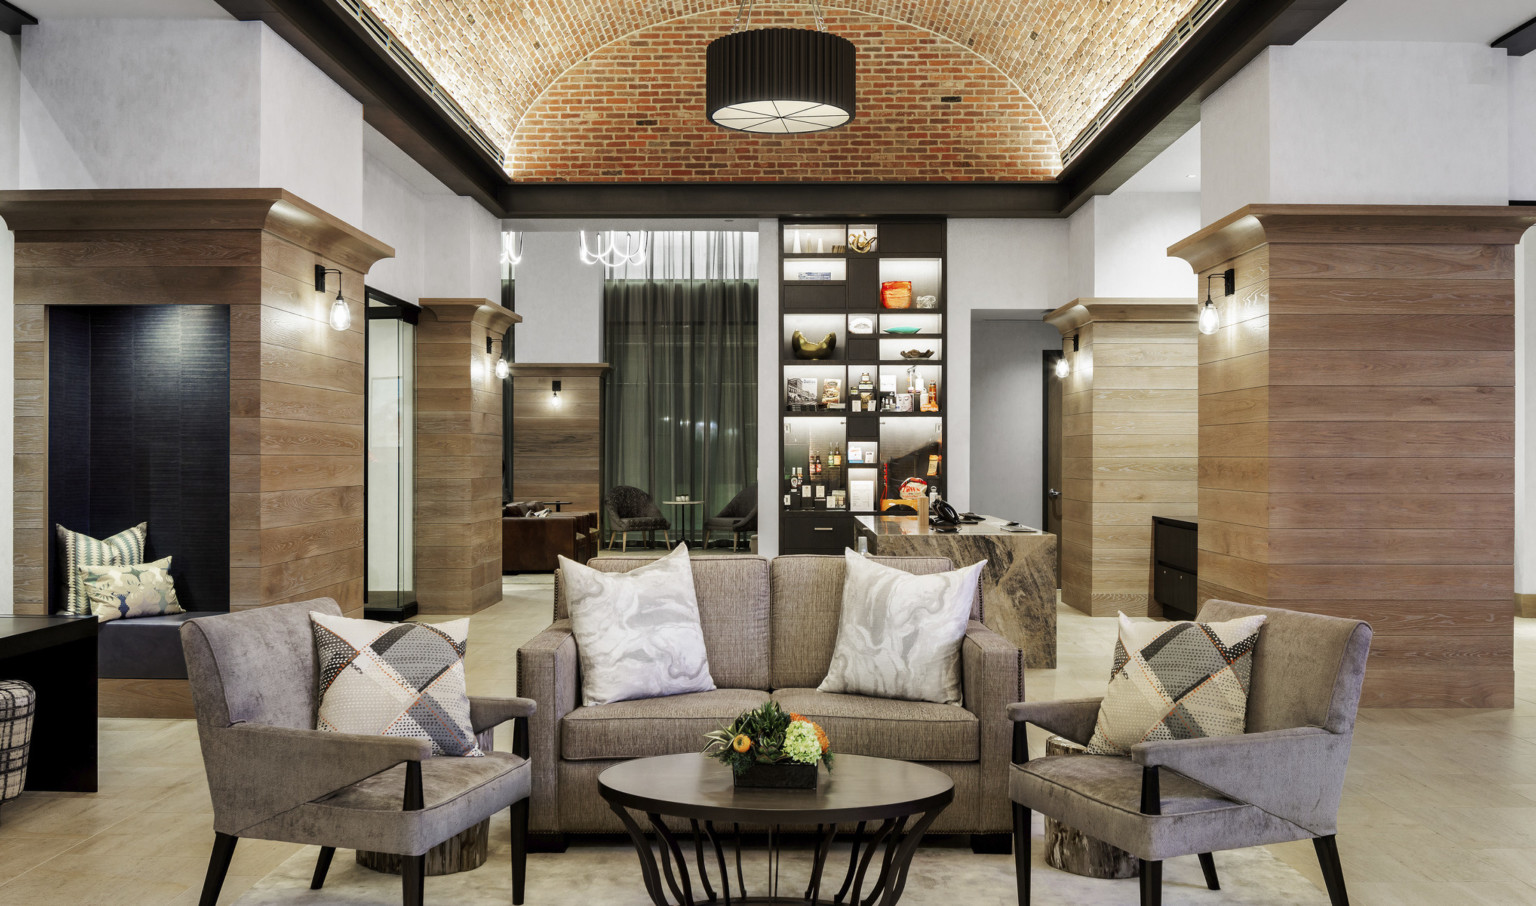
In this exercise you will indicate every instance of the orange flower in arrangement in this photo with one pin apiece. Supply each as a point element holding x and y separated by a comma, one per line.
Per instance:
<point>742,742</point>
<point>821,735</point>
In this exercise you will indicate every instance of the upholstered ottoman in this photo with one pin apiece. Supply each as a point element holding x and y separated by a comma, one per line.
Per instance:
<point>18,702</point>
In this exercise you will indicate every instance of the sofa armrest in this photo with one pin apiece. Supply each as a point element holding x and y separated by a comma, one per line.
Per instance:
<point>1295,774</point>
<point>992,673</point>
<point>547,674</point>
<point>1070,718</point>
<point>252,773</point>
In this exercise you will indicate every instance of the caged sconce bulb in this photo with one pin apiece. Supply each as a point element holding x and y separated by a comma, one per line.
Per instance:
<point>503,367</point>
<point>554,394</point>
<point>1210,318</point>
<point>1064,364</point>
<point>341,313</point>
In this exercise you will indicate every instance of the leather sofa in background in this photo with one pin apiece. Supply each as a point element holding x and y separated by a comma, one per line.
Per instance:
<point>530,544</point>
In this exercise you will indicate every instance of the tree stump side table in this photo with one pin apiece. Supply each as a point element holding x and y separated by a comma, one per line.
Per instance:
<point>1072,851</point>
<point>465,851</point>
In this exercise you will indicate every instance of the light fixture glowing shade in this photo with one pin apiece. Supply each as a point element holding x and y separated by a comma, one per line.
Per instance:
<point>1210,318</point>
<point>341,313</point>
<point>780,81</point>
<point>554,394</point>
<point>503,368</point>
<point>1063,367</point>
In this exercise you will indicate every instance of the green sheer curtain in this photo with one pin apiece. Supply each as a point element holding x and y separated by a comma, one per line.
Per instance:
<point>680,331</point>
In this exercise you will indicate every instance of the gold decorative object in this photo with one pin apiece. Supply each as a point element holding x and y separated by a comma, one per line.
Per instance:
<point>862,242</point>
<point>917,353</point>
<point>805,349</point>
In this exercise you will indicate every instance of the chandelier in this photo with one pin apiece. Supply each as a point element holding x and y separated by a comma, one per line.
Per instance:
<point>606,249</point>
<point>779,80</point>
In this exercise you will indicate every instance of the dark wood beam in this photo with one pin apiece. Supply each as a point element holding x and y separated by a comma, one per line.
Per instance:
<point>1169,104</point>
<point>1520,41</point>
<point>12,18</point>
<point>393,102</point>
<point>781,199</point>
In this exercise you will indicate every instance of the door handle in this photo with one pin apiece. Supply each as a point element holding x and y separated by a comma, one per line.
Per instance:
<point>1053,494</point>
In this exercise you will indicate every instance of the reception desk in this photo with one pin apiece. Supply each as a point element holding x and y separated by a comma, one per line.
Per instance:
<point>1018,585</point>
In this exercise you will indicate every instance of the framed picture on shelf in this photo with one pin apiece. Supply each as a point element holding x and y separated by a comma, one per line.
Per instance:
<point>800,393</point>
<point>861,494</point>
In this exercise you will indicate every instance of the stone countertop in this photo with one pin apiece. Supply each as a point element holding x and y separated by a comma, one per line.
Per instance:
<point>1018,585</point>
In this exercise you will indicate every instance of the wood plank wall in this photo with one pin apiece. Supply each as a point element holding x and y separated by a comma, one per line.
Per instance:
<point>296,385</point>
<point>557,454</point>
<point>458,455</point>
<point>1128,444</point>
<point>1357,433</point>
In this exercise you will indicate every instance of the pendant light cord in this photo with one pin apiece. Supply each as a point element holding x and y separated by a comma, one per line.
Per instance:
<point>744,15</point>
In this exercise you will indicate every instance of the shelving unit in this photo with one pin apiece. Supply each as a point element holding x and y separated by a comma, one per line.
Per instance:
<point>864,455</point>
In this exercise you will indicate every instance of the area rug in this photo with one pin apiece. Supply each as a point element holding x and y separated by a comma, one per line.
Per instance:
<point>944,874</point>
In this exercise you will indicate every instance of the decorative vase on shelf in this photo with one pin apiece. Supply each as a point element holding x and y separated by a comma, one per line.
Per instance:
<point>797,242</point>
<point>781,776</point>
<point>805,349</point>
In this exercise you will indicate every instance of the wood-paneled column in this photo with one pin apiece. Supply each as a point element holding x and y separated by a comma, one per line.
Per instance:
<point>557,451</point>
<point>296,457</point>
<point>1357,430</point>
<point>1128,449</point>
<point>458,455</point>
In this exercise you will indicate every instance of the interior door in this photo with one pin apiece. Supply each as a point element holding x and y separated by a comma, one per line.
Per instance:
<point>1051,433</point>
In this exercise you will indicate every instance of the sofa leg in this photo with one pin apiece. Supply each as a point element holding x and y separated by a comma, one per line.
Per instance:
<point>519,849</point>
<point>1208,865</point>
<point>218,867</point>
<point>991,844</point>
<point>548,843</point>
<point>1333,869</point>
<point>322,865</point>
<point>413,880</point>
<point>1151,875</point>
<point>1021,855</point>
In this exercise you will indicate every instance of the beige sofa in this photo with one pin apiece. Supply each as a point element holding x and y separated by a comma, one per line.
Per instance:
<point>770,628</point>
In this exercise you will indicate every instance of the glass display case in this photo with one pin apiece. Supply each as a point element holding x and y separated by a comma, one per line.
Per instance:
<point>862,372</point>
<point>391,430</point>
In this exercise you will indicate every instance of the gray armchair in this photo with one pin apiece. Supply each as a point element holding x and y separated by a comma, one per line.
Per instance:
<point>273,776</point>
<point>738,517</point>
<point>627,509</point>
<point>1280,781</point>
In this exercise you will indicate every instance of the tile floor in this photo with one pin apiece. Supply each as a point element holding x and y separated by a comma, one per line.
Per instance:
<point>1439,806</point>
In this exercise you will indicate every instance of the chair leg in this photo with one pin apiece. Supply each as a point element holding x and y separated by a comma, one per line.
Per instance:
<point>322,865</point>
<point>1208,865</point>
<point>413,879</point>
<point>519,850</point>
<point>1151,874</point>
<point>1333,870</point>
<point>1021,819</point>
<point>626,543</point>
<point>218,867</point>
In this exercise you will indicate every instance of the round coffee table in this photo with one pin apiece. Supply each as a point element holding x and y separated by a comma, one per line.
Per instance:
<point>859,791</point>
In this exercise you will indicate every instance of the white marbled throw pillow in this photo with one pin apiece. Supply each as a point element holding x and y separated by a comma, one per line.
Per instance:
<point>637,633</point>
<point>900,634</point>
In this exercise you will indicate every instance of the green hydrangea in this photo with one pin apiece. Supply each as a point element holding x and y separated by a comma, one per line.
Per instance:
<point>801,744</point>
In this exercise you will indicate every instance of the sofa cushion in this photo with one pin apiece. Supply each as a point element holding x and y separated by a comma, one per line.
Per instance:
<point>733,611</point>
<point>807,605</point>
<point>143,648</point>
<point>886,728</point>
<point>652,726</point>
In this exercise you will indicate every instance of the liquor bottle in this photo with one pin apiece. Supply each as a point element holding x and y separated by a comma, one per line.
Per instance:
<point>931,399</point>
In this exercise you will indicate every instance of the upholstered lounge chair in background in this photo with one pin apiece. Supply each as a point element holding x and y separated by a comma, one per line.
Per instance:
<point>1281,781</point>
<point>738,517</point>
<point>273,776</point>
<point>628,509</point>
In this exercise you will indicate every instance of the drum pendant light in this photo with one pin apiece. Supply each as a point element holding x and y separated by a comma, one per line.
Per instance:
<point>779,80</point>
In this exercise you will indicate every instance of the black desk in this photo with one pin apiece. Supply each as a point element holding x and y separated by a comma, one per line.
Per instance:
<point>57,656</point>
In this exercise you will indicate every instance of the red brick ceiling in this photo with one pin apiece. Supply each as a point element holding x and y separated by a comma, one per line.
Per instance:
<point>497,57</point>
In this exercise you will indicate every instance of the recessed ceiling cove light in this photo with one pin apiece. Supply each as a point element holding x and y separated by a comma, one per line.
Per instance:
<point>780,80</point>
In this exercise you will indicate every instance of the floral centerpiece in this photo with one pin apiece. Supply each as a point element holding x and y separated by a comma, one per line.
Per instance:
<point>770,747</point>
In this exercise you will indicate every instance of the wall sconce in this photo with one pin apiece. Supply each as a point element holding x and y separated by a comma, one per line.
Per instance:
<point>554,394</point>
<point>341,314</point>
<point>1210,318</point>
<point>1063,364</point>
<point>503,367</point>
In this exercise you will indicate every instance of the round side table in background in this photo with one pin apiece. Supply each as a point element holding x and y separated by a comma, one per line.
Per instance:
<point>686,514</point>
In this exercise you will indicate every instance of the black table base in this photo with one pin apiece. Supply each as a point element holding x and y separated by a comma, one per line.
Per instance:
<point>661,878</point>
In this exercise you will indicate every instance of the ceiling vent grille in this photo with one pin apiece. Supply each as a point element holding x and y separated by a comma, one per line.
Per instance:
<point>1177,38</point>
<point>376,29</point>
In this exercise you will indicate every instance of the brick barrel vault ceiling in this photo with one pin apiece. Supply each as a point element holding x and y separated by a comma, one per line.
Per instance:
<point>496,57</point>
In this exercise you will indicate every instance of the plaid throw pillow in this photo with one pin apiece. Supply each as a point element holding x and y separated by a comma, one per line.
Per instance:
<point>1180,680</point>
<point>395,679</point>
<point>77,550</point>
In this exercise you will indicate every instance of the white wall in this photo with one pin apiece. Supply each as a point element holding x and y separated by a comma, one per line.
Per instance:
<point>1007,417</point>
<point>769,401</point>
<point>1009,265</point>
<point>1359,123</point>
<point>10,112</point>
<point>1522,127</point>
<point>311,132</point>
<point>1119,246</point>
<point>561,301</point>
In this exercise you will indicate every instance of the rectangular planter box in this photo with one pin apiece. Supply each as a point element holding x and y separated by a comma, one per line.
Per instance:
<point>777,777</point>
